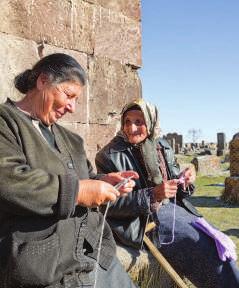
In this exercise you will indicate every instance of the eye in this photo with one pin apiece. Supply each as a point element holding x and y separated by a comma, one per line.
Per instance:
<point>67,94</point>
<point>139,122</point>
<point>127,122</point>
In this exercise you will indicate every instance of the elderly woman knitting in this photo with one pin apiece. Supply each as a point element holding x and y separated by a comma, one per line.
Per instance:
<point>161,192</point>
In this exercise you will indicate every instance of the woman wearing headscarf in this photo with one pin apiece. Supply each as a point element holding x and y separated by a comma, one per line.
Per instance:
<point>161,194</point>
<point>50,229</point>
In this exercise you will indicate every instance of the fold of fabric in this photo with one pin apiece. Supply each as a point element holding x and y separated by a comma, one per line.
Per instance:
<point>225,247</point>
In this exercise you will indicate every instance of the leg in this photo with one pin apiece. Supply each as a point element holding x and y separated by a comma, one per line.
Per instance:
<point>193,253</point>
<point>115,277</point>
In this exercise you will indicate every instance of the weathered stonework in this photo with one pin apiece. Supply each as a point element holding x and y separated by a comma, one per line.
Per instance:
<point>112,85</point>
<point>231,192</point>
<point>18,54</point>
<point>117,37</point>
<point>66,24</point>
<point>206,165</point>
<point>129,8</point>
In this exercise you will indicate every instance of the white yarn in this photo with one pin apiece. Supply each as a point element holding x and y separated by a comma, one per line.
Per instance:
<point>117,186</point>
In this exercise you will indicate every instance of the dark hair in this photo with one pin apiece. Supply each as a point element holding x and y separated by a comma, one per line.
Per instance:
<point>58,67</point>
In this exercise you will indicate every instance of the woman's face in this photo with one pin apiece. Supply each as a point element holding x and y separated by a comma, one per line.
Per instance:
<point>134,126</point>
<point>57,100</point>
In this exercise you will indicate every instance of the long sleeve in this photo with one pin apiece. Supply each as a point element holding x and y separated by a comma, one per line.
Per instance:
<point>27,190</point>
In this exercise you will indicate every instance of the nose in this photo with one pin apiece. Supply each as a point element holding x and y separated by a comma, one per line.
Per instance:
<point>71,105</point>
<point>133,127</point>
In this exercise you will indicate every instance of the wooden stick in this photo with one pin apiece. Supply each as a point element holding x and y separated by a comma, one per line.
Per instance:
<point>162,261</point>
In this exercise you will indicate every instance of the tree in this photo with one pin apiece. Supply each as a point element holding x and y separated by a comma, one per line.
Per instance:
<point>194,134</point>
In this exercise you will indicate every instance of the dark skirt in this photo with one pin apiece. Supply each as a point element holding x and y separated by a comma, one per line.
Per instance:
<point>192,253</point>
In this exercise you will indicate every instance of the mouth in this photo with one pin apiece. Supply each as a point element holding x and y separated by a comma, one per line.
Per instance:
<point>58,114</point>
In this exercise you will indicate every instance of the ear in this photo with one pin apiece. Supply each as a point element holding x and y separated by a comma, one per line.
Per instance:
<point>42,81</point>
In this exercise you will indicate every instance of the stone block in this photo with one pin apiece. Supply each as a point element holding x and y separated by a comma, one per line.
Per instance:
<point>17,55</point>
<point>231,192</point>
<point>81,113</point>
<point>207,165</point>
<point>117,37</point>
<point>221,141</point>
<point>130,8</point>
<point>234,157</point>
<point>63,23</point>
<point>112,85</point>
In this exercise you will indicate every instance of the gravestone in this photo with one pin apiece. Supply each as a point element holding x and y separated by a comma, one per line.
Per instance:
<point>206,165</point>
<point>221,144</point>
<point>176,141</point>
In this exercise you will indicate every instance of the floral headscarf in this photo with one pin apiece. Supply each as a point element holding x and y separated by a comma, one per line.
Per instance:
<point>148,147</point>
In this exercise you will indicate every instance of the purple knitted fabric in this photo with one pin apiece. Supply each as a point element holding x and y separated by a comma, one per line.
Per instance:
<point>225,246</point>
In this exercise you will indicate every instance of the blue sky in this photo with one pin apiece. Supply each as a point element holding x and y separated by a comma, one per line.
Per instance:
<point>190,53</point>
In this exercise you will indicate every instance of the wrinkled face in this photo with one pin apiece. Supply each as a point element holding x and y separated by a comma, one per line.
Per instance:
<point>57,100</point>
<point>134,126</point>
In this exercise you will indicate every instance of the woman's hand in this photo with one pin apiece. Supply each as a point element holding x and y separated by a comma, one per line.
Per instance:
<point>93,193</point>
<point>189,177</point>
<point>115,177</point>
<point>166,189</point>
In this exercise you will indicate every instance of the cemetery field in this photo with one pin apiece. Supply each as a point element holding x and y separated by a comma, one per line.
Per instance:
<point>223,215</point>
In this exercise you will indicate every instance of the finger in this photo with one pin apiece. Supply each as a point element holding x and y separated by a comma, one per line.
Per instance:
<point>115,192</point>
<point>129,184</point>
<point>172,193</point>
<point>127,190</point>
<point>173,182</point>
<point>109,196</point>
<point>129,173</point>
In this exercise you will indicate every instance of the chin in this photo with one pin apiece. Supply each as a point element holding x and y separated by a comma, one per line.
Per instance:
<point>135,141</point>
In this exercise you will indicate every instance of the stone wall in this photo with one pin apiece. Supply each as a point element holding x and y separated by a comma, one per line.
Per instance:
<point>103,35</point>
<point>231,192</point>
